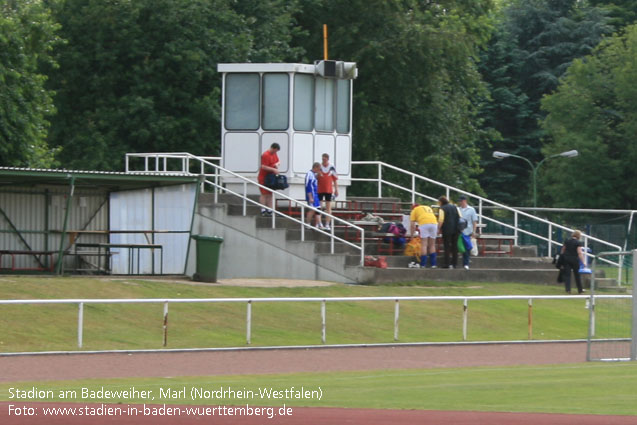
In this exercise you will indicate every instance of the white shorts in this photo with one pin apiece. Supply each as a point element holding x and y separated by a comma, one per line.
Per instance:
<point>428,230</point>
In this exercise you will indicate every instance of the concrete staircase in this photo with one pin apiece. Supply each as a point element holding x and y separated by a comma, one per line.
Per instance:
<point>253,249</point>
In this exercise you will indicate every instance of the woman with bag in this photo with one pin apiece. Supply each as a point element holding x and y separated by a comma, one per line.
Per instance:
<point>573,256</point>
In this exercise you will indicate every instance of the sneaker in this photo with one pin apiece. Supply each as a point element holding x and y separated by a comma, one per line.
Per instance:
<point>320,226</point>
<point>264,213</point>
<point>327,228</point>
<point>466,267</point>
<point>451,267</point>
<point>413,265</point>
<point>434,267</point>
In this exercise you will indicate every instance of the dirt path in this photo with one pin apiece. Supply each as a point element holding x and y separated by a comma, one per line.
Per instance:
<point>78,366</point>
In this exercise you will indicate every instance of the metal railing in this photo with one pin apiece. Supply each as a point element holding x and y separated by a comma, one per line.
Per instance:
<point>214,180</point>
<point>323,307</point>
<point>482,202</point>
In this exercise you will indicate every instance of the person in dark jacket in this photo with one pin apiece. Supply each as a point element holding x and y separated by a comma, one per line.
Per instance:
<point>573,256</point>
<point>448,225</point>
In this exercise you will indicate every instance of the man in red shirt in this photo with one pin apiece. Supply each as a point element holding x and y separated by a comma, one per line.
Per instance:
<point>269,165</point>
<point>327,187</point>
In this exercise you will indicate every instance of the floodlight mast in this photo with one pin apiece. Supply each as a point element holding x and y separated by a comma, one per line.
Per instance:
<point>567,154</point>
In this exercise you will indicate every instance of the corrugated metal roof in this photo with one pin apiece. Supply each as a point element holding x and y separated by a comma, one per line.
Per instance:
<point>108,180</point>
<point>92,172</point>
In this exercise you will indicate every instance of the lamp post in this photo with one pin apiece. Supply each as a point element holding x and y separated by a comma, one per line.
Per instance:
<point>534,168</point>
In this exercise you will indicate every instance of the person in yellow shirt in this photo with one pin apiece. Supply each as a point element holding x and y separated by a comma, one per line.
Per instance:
<point>424,217</point>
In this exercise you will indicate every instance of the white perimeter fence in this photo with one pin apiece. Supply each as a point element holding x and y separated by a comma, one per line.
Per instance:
<point>323,310</point>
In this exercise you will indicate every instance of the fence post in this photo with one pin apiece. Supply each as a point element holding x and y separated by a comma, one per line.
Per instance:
<point>550,244</point>
<point>396,317</point>
<point>363,247</point>
<point>380,180</point>
<point>465,314</point>
<point>592,306</point>
<point>633,342</point>
<point>515,225</point>
<point>249,323</point>
<point>332,237</point>
<point>530,318</point>
<point>245,196</point>
<point>165,323</point>
<point>303,223</point>
<point>80,324</point>
<point>480,214</point>
<point>323,321</point>
<point>413,189</point>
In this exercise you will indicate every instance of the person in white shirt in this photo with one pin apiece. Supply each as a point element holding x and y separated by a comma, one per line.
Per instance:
<point>469,214</point>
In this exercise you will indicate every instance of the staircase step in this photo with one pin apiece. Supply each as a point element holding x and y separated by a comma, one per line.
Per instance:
<point>547,277</point>
<point>606,283</point>
<point>522,263</point>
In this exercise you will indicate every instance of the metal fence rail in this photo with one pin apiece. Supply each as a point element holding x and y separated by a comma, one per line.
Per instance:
<point>323,310</point>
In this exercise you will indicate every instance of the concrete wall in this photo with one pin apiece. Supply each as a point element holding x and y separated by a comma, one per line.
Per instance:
<point>251,252</point>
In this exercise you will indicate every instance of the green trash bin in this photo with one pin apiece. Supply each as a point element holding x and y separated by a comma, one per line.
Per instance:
<point>208,248</point>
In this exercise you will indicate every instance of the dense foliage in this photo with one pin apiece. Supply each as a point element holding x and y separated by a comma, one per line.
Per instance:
<point>140,76</point>
<point>414,102</point>
<point>534,44</point>
<point>442,83</point>
<point>595,111</point>
<point>27,37</point>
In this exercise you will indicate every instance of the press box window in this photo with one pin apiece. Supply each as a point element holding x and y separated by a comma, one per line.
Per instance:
<point>242,102</point>
<point>303,102</point>
<point>342,106</point>
<point>276,95</point>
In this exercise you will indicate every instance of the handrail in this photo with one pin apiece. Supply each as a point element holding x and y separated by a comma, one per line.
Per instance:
<point>481,201</point>
<point>305,299</point>
<point>219,171</point>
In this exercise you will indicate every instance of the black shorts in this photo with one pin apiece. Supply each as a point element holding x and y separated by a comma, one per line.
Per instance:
<point>325,197</point>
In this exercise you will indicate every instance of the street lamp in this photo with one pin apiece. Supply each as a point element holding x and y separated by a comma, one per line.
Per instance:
<point>567,154</point>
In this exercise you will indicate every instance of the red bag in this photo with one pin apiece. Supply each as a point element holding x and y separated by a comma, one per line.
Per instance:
<point>380,262</point>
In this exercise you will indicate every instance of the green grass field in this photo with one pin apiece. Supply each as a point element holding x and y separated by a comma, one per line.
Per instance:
<point>592,388</point>
<point>135,326</point>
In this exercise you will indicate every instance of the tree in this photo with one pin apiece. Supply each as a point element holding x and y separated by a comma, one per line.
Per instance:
<point>594,111</point>
<point>415,97</point>
<point>140,76</point>
<point>621,12</point>
<point>27,36</point>
<point>535,42</point>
